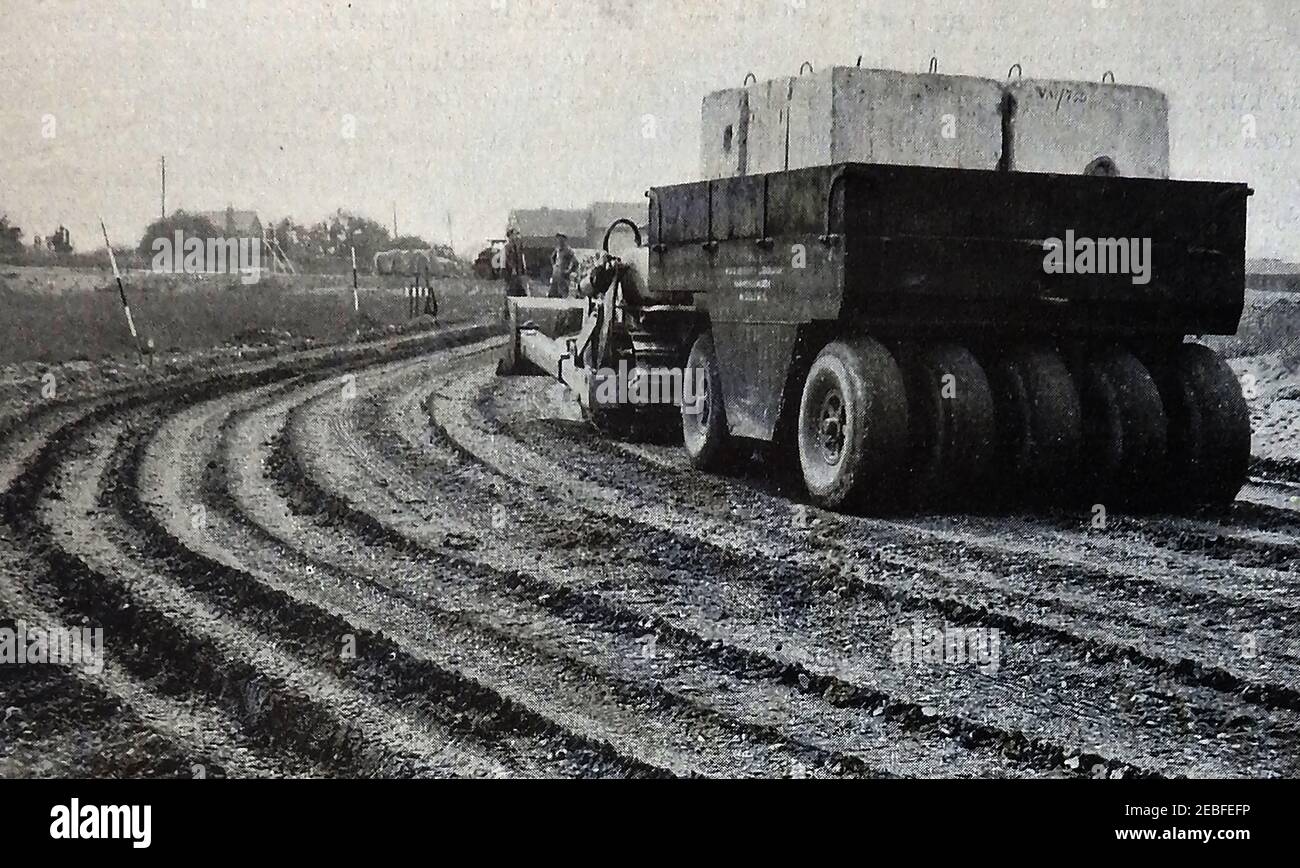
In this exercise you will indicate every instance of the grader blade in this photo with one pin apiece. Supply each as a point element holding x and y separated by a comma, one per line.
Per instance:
<point>548,323</point>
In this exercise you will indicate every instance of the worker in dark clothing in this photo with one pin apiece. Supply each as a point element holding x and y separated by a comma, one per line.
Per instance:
<point>514,268</point>
<point>564,265</point>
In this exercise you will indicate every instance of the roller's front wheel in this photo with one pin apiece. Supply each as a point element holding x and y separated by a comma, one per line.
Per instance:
<point>852,434</point>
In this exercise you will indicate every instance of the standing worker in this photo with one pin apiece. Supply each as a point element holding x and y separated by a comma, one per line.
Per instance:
<point>564,264</point>
<point>514,268</point>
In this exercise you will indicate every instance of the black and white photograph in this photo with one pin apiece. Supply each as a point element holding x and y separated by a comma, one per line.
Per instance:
<point>894,391</point>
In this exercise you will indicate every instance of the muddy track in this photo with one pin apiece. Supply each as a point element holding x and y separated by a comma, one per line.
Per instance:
<point>381,560</point>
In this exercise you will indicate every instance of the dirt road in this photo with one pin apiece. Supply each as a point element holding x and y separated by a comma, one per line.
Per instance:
<point>381,560</point>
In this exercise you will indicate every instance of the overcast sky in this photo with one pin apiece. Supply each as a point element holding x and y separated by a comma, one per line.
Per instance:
<point>474,107</point>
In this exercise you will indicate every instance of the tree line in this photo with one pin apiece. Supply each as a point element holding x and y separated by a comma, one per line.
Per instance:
<point>325,245</point>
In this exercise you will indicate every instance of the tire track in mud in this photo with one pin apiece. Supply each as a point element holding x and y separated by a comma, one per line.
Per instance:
<point>380,620</point>
<point>1164,676</point>
<point>148,610</point>
<point>1259,613</point>
<point>1132,555</point>
<point>624,662</point>
<point>607,638</point>
<point>1124,572</point>
<point>847,764</point>
<point>100,721</point>
<point>278,688</point>
<point>804,676</point>
<point>525,600</point>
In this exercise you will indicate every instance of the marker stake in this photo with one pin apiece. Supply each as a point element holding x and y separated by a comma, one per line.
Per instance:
<point>356,301</point>
<point>121,292</point>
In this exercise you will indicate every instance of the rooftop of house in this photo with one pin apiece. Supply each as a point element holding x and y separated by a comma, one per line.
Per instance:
<point>235,221</point>
<point>535,222</point>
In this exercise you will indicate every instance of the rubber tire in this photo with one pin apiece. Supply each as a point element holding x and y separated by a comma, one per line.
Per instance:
<point>870,385</point>
<point>1124,429</point>
<point>705,434</point>
<point>951,437</point>
<point>1209,428</point>
<point>1039,425</point>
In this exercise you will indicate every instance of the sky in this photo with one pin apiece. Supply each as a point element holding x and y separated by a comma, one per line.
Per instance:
<point>469,108</point>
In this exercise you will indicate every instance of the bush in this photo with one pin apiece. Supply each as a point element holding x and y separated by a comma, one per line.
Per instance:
<point>190,225</point>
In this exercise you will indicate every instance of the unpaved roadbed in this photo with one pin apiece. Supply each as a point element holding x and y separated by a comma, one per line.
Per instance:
<point>382,560</point>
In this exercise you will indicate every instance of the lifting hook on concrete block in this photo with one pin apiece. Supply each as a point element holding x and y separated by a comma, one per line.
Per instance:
<point>934,64</point>
<point>1108,73</point>
<point>1015,68</point>
<point>807,63</point>
<point>749,76</point>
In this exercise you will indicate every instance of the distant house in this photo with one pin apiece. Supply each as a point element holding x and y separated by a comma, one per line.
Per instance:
<point>539,225</point>
<point>241,224</point>
<point>537,229</point>
<point>238,249</point>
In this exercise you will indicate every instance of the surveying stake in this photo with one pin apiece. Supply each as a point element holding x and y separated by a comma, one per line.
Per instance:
<point>121,292</point>
<point>356,301</point>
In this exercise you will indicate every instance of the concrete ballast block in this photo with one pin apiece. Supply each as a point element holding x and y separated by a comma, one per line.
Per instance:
<point>1065,126</point>
<point>846,114</point>
<point>768,125</point>
<point>724,134</point>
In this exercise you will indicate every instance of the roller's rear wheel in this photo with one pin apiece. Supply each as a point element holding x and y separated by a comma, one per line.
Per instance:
<point>1125,429</point>
<point>951,419</point>
<point>704,420</point>
<point>852,432</point>
<point>1039,425</point>
<point>1209,428</point>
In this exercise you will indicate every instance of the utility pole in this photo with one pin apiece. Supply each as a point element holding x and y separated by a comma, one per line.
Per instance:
<point>162,162</point>
<point>451,238</point>
<point>394,221</point>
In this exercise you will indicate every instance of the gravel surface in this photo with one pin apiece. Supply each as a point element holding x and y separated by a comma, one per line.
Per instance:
<point>379,559</point>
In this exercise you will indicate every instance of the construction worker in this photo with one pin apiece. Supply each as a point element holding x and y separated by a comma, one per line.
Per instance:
<point>564,264</point>
<point>514,268</point>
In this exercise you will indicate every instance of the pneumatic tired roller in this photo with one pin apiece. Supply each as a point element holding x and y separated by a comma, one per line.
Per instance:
<point>897,329</point>
<point>936,336</point>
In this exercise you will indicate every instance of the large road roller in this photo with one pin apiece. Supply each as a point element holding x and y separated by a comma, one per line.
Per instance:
<point>916,336</point>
